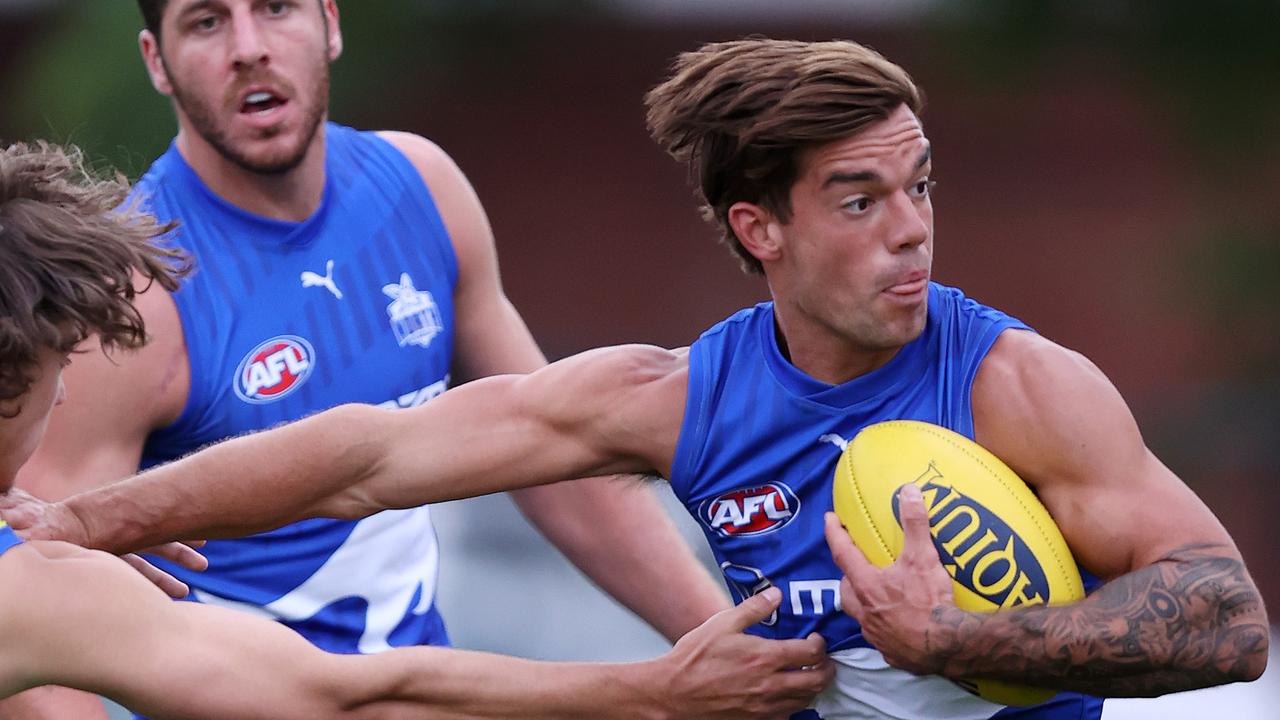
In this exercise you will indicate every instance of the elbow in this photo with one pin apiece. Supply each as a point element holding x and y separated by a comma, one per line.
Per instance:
<point>1251,635</point>
<point>357,440</point>
<point>1254,662</point>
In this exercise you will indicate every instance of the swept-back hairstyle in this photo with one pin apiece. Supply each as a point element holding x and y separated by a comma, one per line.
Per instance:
<point>739,113</point>
<point>69,248</point>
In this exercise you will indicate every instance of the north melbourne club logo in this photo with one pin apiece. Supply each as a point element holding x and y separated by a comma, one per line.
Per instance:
<point>414,315</point>
<point>274,369</point>
<point>745,581</point>
<point>751,511</point>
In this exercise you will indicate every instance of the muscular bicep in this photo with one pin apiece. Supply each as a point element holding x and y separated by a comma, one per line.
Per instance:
<point>1056,420</point>
<point>113,402</point>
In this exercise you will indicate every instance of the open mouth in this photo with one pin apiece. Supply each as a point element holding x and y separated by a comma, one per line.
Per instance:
<point>261,103</point>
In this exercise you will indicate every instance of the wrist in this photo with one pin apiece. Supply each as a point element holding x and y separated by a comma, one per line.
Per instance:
<point>72,522</point>
<point>648,685</point>
<point>951,631</point>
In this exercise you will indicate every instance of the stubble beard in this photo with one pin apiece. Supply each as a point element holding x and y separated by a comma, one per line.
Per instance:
<point>204,119</point>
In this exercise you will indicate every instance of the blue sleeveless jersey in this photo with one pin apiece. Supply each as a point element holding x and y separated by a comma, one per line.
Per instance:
<point>8,538</point>
<point>759,444</point>
<point>283,319</point>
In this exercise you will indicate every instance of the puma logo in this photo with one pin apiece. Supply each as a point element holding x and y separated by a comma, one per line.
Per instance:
<point>310,279</point>
<point>836,440</point>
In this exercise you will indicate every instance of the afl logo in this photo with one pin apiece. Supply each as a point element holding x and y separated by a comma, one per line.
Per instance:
<point>274,369</point>
<point>753,511</point>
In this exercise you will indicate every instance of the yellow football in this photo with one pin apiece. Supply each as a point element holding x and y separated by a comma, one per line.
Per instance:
<point>993,535</point>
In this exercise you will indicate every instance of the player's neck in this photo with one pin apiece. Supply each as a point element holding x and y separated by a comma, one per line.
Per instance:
<point>293,195</point>
<point>819,351</point>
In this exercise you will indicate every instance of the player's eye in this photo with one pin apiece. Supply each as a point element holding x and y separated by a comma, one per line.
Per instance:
<point>277,8</point>
<point>857,205</point>
<point>205,23</point>
<point>923,188</point>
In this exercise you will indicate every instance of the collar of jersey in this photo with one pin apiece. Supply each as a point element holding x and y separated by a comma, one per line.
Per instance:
<point>260,229</point>
<point>906,366</point>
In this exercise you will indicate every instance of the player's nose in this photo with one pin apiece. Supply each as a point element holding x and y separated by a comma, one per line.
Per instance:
<point>911,227</point>
<point>248,47</point>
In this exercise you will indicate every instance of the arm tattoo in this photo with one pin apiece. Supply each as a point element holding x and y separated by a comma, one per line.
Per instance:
<point>1192,619</point>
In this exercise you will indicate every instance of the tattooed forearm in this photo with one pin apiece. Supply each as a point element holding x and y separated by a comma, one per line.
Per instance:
<point>1193,619</point>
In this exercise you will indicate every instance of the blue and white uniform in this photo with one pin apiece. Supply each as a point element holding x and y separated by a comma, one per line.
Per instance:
<point>284,319</point>
<point>754,462</point>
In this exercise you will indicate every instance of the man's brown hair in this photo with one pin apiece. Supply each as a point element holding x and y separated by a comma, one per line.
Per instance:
<point>69,249</point>
<point>739,113</point>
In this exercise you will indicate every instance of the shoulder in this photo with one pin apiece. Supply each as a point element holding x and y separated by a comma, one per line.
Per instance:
<point>156,373</point>
<point>1034,370</point>
<point>460,209</point>
<point>1044,408</point>
<point>431,161</point>
<point>735,329</point>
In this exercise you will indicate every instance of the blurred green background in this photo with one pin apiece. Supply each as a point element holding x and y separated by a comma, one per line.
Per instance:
<point>1108,170</point>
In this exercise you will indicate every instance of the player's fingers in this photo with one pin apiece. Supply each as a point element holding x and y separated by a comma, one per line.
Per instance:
<point>754,609</point>
<point>806,682</point>
<point>17,507</point>
<point>172,586</point>
<point>848,557</point>
<point>849,601</point>
<point>798,653</point>
<point>10,498</point>
<point>917,544</point>
<point>181,554</point>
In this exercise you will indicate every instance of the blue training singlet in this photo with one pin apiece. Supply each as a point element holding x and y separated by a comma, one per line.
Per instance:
<point>754,463</point>
<point>8,538</point>
<point>284,319</point>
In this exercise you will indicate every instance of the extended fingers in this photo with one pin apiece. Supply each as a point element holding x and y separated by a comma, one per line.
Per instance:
<point>18,507</point>
<point>848,557</point>
<point>180,554</point>
<point>917,543</point>
<point>172,586</point>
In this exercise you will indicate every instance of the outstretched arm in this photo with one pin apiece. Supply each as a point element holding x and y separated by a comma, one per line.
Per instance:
<point>639,548</point>
<point>186,660</point>
<point>601,412</point>
<point>1179,611</point>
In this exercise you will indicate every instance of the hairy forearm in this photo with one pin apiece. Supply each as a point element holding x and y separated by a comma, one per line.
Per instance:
<point>462,684</point>
<point>1193,619</point>
<point>249,484</point>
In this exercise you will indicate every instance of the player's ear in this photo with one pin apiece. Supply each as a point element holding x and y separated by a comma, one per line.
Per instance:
<point>149,46</point>
<point>757,229</point>
<point>330,10</point>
